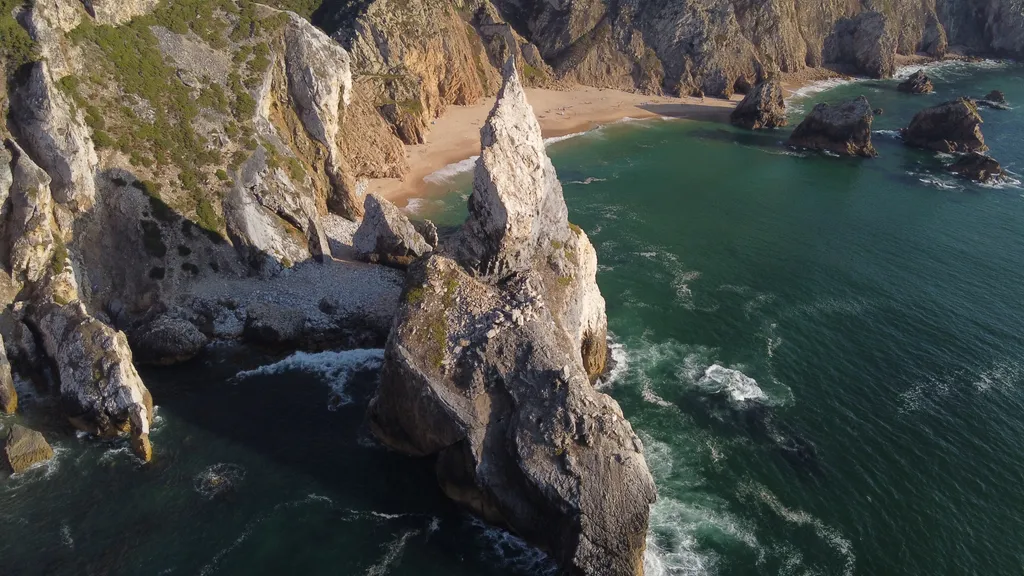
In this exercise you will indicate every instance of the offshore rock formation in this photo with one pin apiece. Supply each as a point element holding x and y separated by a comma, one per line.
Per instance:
<point>843,129</point>
<point>953,126</point>
<point>763,107</point>
<point>979,167</point>
<point>387,236</point>
<point>24,448</point>
<point>489,363</point>
<point>918,83</point>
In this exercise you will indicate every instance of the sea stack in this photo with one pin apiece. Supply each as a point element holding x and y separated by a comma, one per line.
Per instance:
<point>978,167</point>
<point>949,127</point>
<point>489,365</point>
<point>918,83</point>
<point>844,129</point>
<point>763,107</point>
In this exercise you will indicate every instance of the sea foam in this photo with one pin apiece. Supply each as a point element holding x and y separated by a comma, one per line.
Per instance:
<point>737,386</point>
<point>336,369</point>
<point>452,170</point>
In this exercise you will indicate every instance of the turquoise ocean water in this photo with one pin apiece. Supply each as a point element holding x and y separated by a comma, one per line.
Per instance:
<point>824,357</point>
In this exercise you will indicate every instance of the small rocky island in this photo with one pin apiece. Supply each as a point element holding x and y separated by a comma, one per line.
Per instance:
<point>489,365</point>
<point>763,107</point>
<point>844,129</point>
<point>950,127</point>
<point>918,83</point>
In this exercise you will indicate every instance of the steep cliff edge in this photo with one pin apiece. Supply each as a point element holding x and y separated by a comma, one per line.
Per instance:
<point>489,364</point>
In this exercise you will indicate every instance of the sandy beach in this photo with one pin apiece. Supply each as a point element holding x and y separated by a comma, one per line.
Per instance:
<point>456,135</point>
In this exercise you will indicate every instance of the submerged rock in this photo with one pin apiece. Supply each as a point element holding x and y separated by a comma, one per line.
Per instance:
<point>978,167</point>
<point>165,341</point>
<point>488,366</point>
<point>25,448</point>
<point>918,83</point>
<point>387,236</point>
<point>763,107</point>
<point>949,127</point>
<point>843,129</point>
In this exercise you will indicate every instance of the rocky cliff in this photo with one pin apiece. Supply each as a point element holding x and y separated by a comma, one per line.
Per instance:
<point>488,367</point>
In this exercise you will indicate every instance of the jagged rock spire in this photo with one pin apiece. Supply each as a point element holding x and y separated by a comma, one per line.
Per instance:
<point>517,202</point>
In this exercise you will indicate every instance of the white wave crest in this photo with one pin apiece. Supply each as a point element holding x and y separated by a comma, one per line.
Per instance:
<point>587,181</point>
<point>736,385</point>
<point>513,551</point>
<point>218,479</point>
<point>451,171</point>
<point>894,134</point>
<point>620,363</point>
<point>557,139</point>
<point>335,368</point>
<point>392,554</point>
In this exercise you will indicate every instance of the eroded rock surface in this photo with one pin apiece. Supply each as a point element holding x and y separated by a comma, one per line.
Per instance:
<point>763,107</point>
<point>167,340</point>
<point>978,167</point>
<point>867,41</point>
<point>387,236</point>
<point>490,361</point>
<point>8,395</point>
<point>953,126</point>
<point>918,83</point>
<point>844,129</point>
<point>25,448</point>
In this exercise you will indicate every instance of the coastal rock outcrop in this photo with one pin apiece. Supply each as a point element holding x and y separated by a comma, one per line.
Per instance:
<point>28,230</point>
<point>8,395</point>
<point>25,448</point>
<point>488,366</point>
<point>867,42</point>
<point>166,340</point>
<point>918,83</point>
<point>996,96</point>
<point>979,167</point>
<point>844,129</point>
<point>953,126</point>
<point>763,107</point>
<point>100,390</point>
<point>387,236</point>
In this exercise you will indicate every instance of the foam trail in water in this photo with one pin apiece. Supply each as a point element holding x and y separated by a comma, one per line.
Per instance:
<point>452,170</point>
<point>557,139</point>
<point>736,385</point>
<point>335,368</point>
<point>393,553</point>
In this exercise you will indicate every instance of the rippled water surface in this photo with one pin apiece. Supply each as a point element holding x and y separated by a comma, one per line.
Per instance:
<point>823,356</point>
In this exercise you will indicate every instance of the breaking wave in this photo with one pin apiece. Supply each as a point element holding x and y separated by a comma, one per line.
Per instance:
<point>335,368</point>
<point>451,171</point>
<point>218,479</point>
<point>737,386</point>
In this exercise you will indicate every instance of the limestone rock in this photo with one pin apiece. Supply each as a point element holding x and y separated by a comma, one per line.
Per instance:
<point>844,129</point>
<point>867,42</point>
<point>517,206</point>
<point>114,12</point>
<point>273,325</point>
<point>100,390</point>
<point>8,395</point>
<point>488,367</point>
<point>979,167</point>
<point>166,340</point>
<point>24,448</point>
<point>953,126</point>
<point>53,131</point>
<point>428,230</point>
<point>763,107</point>
<point>918,83</point>
<point>28,231</point>
<point>387,236</point>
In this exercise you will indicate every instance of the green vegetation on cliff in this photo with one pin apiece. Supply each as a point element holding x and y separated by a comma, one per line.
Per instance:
<point>16,46</point>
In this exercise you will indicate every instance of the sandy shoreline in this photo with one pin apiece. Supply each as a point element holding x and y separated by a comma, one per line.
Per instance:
<point>456,135</point>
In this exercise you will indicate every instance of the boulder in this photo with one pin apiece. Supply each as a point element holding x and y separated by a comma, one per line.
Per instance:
<point>489,361</point>
<point>100,390</point>
<point>763,107</point>
<point>165,341</point>
<point>867,42</point>
<point>953,126</point>
<point>977,166</point>
<point>387,236</point>
<point>273,325</point>
<point>844,129</point>
<point>24,448</point>
<point>918,83</point>
<point>8,395</point>
<point>996,96</point>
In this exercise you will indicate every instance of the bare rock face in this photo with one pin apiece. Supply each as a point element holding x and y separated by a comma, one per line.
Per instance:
<point>866,42</point>
<point>918,83</point>
<point>28,231</point>
<point>517,206</point>
<point>978,167</point>
<point>320,83</point>
<point>844,129</point>
<point>100,390</point>
<point>387,236</point>
<point>54,133</point>
<point>488,366</point>
<point>763,107</point>
<point>8,395</point>
<point>115,12</point>
<point>953,126</point>
<point>165,341</point>
<point>24,448</point>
